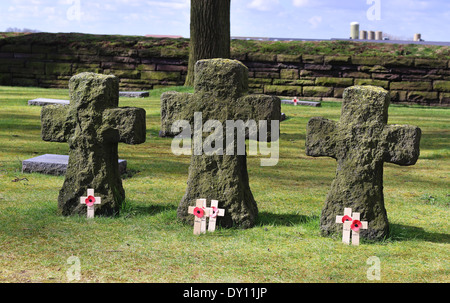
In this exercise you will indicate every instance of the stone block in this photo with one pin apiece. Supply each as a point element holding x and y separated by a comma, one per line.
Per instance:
<point>52,68</point>
<point>336,59</point>
<point>312,59</point>
<point>45,101</point>
<point>289,74</point>
<point>160,75</point>
<point>282,58</point>
<point>398,61</point>
<point>283,90</point>
<point>430,63</point>
<point>334,82</point>
<point>130,94</point>
<point>261,57</point>
<point>441,86</point>
<point>51,164</point>
<point>423,97</point>
<point>301,102</point>
<point>411,85</point>
<point>360,60</point>
<point>317,91</point>
<point>383,83</point>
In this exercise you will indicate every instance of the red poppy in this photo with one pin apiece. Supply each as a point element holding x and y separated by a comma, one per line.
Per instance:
<point>215,212</point>
<point>346,218</point>
<point>356,225</point>
<point>90,201</point>
<point>198,211</point>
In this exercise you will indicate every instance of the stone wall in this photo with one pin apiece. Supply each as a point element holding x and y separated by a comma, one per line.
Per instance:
<point>313,77</point>
<point>52,66</point>
<point>316,77</point>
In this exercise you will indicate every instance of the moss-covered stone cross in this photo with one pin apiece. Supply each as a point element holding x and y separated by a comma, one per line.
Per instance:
<point>221,87</point>
<point>93,126</point>
<point>361,142</point>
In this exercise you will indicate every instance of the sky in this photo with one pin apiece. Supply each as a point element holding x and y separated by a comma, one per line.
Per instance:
<point>310,19</point>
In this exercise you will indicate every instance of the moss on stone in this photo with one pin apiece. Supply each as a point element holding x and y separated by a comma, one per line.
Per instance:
<point>93,126</point>
<point>360,142</point>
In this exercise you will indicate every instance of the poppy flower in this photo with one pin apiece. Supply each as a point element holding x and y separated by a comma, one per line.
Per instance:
<point>346,218</point>
<point>90,201</point>
<point>356,225</point>
<point>198,212</point>
<point>215,212</point>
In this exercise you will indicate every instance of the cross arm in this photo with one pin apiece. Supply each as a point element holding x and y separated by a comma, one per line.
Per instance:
<point>321,137</point>
<point>56,123</point>
<point>401,144</point>
<point>124,124</point>
<point>259,108</point>
<point>174,106</point>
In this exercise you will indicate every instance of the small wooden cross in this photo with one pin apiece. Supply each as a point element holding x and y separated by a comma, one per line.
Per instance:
<point>200,211</point>
<point>214,212</point>
<point>90,201</point>
<point>351,225</point>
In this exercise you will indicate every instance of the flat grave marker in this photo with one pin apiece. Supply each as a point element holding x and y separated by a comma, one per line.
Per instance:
<point>52,164</point>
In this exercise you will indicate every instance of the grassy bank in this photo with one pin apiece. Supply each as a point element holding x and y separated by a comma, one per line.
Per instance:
<point>147,243</point>
<point>179,47</point>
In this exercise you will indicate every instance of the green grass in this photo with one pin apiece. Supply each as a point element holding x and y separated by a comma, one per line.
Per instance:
<point>147,243</point>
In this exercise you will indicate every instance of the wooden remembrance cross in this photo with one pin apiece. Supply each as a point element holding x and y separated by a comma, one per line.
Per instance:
<point>93,126</point>
<point>361,142</point>
<point>201,212</point>
<point>220,94</point>
<point>351,224</point>
<point>90,201</point>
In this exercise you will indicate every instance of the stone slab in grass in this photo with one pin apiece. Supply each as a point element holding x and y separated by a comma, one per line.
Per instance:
<point>141,94</point>
<point>46,101</point>
<point>305,103</point>
<point>51,164</point>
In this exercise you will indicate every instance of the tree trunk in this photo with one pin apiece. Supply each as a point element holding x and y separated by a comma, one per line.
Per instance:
<point>210,32</point>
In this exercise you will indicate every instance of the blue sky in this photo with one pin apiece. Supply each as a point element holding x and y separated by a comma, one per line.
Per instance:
<point>322,19</point>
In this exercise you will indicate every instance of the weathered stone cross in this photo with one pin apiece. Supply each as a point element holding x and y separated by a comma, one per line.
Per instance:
<point>93,126</point>
<point>361,142</point>
<point>220,94</point>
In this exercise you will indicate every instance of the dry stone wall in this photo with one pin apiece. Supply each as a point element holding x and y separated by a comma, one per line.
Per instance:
<point>313,77</point>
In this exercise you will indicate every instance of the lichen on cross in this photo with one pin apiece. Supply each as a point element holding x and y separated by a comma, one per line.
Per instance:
<point>93,125</point>
<point>361,142</point>
<point>221,87</point>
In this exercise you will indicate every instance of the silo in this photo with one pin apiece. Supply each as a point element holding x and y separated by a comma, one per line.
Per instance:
<point>354,30</point>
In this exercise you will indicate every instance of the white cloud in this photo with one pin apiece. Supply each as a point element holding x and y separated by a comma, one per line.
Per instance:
<point>180,4</point>
<point>263,5</point>
<point>300,3</point>
<point>315,21</point>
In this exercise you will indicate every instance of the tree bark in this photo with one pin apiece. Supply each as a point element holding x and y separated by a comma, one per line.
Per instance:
<point>210,32</point>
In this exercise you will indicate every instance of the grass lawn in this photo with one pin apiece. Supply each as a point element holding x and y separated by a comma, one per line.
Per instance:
<point>146,242</point>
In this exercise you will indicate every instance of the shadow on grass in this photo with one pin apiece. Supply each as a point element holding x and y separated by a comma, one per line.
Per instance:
<point>152,210</point>
<point>267,218</point>
<point>400,232</point>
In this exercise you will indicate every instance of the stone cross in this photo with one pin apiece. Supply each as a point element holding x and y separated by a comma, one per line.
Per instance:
<point>351,224</point>
<point>90,201</point>
<point>361,142</point>
<point>200,211</point>
<point>93,126</point>
<point>214,212</point>
<point>221,87</point>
